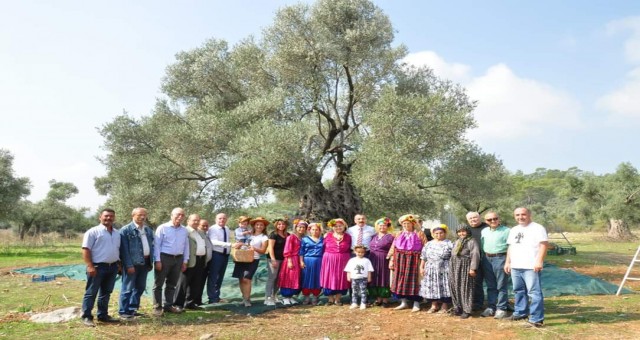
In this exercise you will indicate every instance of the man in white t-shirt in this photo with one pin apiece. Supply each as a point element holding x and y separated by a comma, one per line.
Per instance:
<point>527,248</point>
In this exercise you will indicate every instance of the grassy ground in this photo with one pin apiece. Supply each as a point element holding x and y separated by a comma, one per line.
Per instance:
<point>568,317</point>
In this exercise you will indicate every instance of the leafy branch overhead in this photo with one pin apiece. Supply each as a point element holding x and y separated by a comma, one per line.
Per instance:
<point>322,92</point>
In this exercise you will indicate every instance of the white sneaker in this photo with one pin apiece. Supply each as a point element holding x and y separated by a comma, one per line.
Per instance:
<point>403,305</point>
<point>286,301</point>
<point>353,306</point>
<point>416,306</point>
<point>276,300</point>
<point>488,312</point>
<point>363,306</point>
<point>500,314</point>
<point>269,302</point>
<point>247,303</point>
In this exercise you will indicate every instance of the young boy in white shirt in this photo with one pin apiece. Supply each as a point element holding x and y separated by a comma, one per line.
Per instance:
<point>359,271</point>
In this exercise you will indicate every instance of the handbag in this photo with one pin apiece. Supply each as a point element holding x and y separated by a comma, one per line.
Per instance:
<point>242,255</point>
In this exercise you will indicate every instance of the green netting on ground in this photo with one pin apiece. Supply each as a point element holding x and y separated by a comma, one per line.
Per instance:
<point>555,282</point>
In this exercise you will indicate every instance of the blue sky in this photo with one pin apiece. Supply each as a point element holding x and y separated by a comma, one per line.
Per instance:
<point>557,82</point>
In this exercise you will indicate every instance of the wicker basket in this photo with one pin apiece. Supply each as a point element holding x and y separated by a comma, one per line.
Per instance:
<point>242,255</point>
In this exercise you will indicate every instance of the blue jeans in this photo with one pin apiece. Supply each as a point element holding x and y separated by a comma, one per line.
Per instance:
<point>133,287</point>
<point>217,267</point>
<point>527,284</point>
<point>496,279</point>
<point>99,286</point>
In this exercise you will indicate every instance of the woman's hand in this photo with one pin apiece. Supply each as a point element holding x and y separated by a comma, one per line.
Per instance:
<point>472,273</point>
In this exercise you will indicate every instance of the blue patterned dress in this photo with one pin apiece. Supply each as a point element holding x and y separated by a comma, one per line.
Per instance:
<point>435,283</point>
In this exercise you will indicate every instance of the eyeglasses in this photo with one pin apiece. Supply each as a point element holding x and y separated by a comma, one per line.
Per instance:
<point>492,219</point>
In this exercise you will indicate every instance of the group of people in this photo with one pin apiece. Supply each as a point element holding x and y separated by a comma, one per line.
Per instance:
<point>183,259</point>
<point>373,262</point>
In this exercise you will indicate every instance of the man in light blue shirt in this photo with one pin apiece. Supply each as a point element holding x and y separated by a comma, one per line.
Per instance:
<point>494,253</point>
<point>101,253</point>
<point>171,256</point>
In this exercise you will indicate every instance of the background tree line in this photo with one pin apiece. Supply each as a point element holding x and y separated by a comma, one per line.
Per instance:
<point>319,117</point>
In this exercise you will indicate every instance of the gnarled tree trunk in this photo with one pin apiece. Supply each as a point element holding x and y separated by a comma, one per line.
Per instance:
<point>340,200</point>
<point>619,230</point>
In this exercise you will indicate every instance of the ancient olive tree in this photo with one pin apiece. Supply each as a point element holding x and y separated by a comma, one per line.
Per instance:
<point>321,93</point>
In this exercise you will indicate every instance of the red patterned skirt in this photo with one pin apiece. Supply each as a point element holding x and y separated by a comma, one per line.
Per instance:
<point>405,274</point>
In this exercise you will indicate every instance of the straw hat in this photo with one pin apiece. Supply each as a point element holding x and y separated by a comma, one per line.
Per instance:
<point>259,219</point>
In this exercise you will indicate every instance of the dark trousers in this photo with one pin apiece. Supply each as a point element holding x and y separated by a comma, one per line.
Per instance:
<point>133,286</point>
<point>217,267</point>
<point>168,278</point>
<point>478,287</point>
<point>191,284</point>
<point>99,286</point>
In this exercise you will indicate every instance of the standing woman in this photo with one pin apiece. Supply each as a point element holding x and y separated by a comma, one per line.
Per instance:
<point>290,276</point>
<point>464,263</point>
<point>311,250</point>
<point>434,266</point>
<point>244,271</point>
<point>379,255</point>
<point>277,239</point>
<point>337,249</point>
<point>405,262</point>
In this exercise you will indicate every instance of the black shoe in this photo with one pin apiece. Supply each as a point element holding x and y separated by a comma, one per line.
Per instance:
<point>108,319</point>
<point>515,317</point>
<point>535,324</point>
<point>191,306</point>
<point>464,316</point>
<point>138,314</point>
<point>88,322</point>
<point>127,317</point>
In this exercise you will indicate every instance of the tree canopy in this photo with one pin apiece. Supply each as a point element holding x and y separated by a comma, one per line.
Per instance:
<point>322,93</point>
<point>12,188</point>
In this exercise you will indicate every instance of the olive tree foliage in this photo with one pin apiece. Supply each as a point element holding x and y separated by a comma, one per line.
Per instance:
<point>321,91</point>
<point>614,198</point>
<point>12,188</point>
<point>51,214</point>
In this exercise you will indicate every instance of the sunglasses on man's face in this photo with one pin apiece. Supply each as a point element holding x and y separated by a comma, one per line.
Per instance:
<point>493,219</point>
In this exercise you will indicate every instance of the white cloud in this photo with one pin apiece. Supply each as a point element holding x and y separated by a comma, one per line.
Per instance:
<point>452,71</point>
<point>624,102</point>
<point>632,44</point>
<point>508,105</point>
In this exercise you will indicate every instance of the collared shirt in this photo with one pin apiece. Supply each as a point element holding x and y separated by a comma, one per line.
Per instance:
<point>367,233</point>
<point>143,237</point>
<point>104,245</point>
<point>216,235</point>
<point>494,241</point>
<point>201,248</point>
<point>172,240</point>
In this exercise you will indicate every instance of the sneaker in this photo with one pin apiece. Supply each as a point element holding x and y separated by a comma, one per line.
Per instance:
<point>500,314</point>
<point>464,315</point>
<point>488,312</point>
<point>108,319</point>
<point>286,301</point>
<point>403,305</point>
<point>416,307</point>
<point>269,302</point>
<point>88,322</point>
<point>126,317</point>
<point>363,306</point>
<point>353,306</point>
<point>246,302</point>
<point>534,324</point>
<point>158,312</point>
<point>515,317</point>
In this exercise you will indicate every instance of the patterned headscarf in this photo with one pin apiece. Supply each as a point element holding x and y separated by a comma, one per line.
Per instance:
<point>462,242</point>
